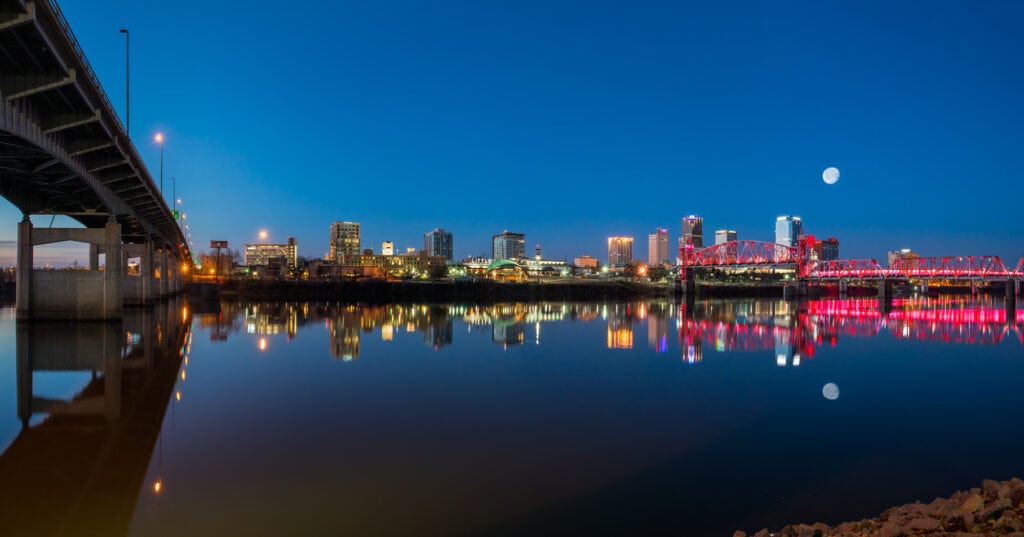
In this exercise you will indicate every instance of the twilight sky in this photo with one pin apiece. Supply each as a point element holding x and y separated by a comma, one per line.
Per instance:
<point>573,121</point>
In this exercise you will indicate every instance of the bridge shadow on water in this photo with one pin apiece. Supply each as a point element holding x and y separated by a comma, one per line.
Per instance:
<point>80,469</point>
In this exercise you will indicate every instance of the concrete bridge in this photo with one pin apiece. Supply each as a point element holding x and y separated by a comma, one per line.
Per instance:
<point>64,151</point>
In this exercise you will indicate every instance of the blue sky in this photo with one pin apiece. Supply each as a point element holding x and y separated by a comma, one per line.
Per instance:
<point>573,121</point>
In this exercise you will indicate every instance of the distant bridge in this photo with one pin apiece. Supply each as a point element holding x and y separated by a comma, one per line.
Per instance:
<point>759,253</point>
<point>63,151</point>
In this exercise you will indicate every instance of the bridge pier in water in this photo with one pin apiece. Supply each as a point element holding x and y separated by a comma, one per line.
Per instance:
<point>69,294</point>
<point>94,294</point>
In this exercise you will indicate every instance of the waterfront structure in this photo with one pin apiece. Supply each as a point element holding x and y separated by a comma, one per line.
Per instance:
<point>724,235</point>
<point>693,232</point>
<point>264,254</point>
<point>657,247</point>
<point>544,268</point>
<point>788,230</point>
<point>620,250</point>
<point>344,241</point>
<point>387,248</point>
<point>508,245</point>
<point>438,242</point>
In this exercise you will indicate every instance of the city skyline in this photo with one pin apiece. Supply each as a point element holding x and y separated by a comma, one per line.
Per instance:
<point>729,116</point>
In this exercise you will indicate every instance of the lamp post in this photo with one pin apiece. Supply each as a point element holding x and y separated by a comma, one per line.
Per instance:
<point>159,138</point>
<point>127,84</point>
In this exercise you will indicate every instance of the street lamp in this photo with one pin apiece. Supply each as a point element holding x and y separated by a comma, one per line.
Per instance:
<point>159,138</point>
<point>127,86</point>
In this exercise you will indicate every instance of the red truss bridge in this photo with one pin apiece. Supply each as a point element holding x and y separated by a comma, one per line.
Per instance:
<point>760,253</point>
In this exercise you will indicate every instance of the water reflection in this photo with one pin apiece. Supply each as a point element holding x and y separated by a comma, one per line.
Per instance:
<point>791,331</point>
<point>77,465</point>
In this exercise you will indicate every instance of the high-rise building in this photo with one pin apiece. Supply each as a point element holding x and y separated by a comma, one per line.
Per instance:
<point>657,247</point>
<point>902,253</point>
<point>620,250</point>
<point>262,254</point>
<point>788,229</point>
<point>387,248</point>
<point>829,250</point>
<point>693,232</point>
<point>507,245</point>
<point>344,240</point>
<point>438,243</point>
<point>724,235</point>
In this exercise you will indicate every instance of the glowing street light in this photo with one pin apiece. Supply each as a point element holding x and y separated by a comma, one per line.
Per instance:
<point>159,138</point>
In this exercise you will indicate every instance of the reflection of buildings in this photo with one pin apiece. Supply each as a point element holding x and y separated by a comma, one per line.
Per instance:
<point>620,326</point>
<point>343,328</point>
<point>657,333</point>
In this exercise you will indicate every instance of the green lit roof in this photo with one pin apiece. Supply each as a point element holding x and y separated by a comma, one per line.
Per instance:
<point>503,263</point>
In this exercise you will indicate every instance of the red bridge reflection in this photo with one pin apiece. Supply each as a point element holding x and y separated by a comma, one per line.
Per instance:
<point>795,330</point>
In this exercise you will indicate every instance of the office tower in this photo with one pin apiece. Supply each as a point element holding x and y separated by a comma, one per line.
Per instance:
<point>620,250</point>
<point>693,232</point>
<point>344,240</point>
<point>438,243</point>
<point>787,230</point>
<point>262,254</point>
<point>506,245</point>
<point>387,248</point>
<point>657,247</point>
<point>724,235</point>
<point>829,250</point>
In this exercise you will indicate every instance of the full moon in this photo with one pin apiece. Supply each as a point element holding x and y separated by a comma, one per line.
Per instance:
<point>263,234</point>
<point>830,175</point>
<point>830,391</point>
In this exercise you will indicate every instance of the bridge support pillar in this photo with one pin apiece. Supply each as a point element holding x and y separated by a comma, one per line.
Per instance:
<point>885,292</point>
<point>974,287</point>
<point>94,257</point>
<point>69,294</point>
<point>113,274</point>
<point>164,276</point>
<point>140,290</point>
<point>924,287</point>
<point>843,288</point>
<point>1011,290</point>
<point>23,290</point>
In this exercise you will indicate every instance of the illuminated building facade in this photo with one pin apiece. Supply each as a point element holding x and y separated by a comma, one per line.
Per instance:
<point>387,248</point>
<point>788,229</point>
<point>657,247</point>
<point>693,232</point>
<point>344,240</point>
<point>902,253</point>
<point>507,245</point>
<point>262,254</point>
<point>438,243</point>
<point>723,236</point>
<point>585,262</point>
<point>620,250</point>
<point>827,250</point>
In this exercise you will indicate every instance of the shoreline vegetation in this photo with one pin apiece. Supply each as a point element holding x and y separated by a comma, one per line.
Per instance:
<point>994,509</point>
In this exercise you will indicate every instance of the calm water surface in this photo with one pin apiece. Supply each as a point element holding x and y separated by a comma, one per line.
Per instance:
<point>511,419</point>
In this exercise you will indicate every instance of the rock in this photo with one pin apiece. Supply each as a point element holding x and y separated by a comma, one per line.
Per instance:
<point>990,488</point>
<point>972,504</point>
<point>994,510</point>
<point>890,529</point>
<point>739,534</point>
<point>1010,521</point>
<point>922,524</point>
<point>1016,494</point>
<point>762,533</point>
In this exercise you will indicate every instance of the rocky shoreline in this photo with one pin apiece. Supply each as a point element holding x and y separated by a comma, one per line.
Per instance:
<point>995,508</point>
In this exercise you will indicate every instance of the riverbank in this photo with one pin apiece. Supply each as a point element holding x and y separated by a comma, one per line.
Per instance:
<point>995,508</point>
<point>442,291</point>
